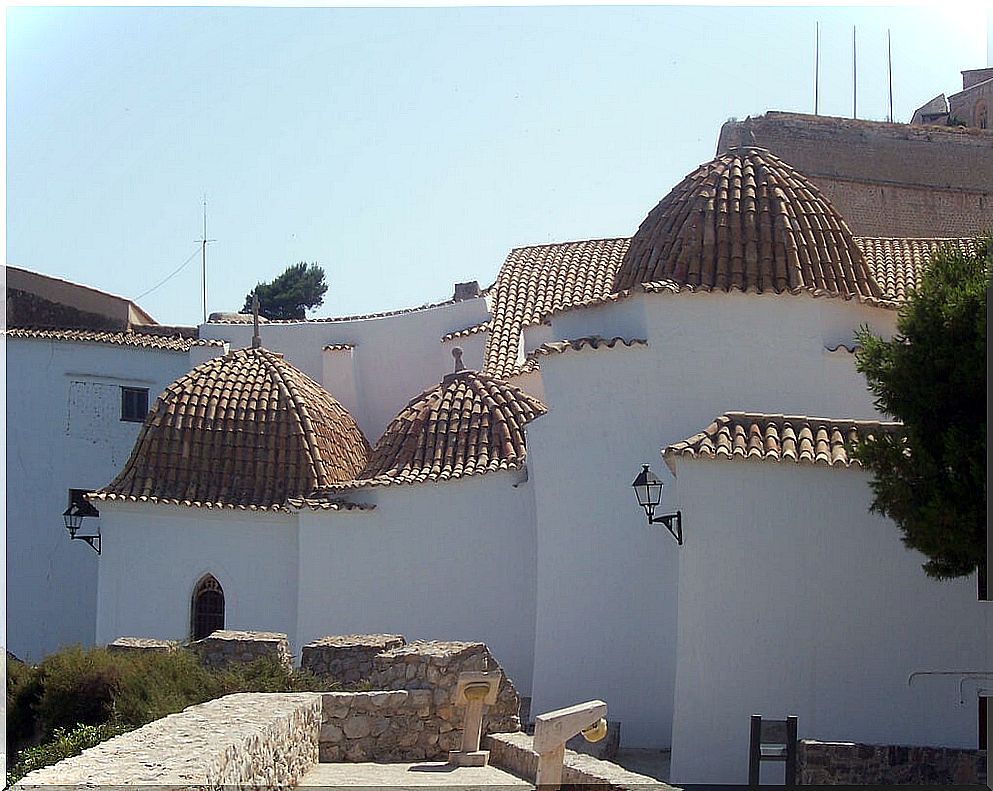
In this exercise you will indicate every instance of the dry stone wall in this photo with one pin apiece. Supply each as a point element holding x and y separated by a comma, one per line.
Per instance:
<point>436,666</point>
<point>244,740</point>
<point>847,763</point>
<point>347,658</point>
<point>142,645</point>
<point>385,726</point>
<point>225,646</point>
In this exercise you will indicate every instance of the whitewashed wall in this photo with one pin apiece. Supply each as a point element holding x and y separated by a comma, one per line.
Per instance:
<point>793,599</point>
<point>64,431</point>
<point>606,591</point>
<point>447,561</point>
<point>154,555</point>
<point>395,357</point>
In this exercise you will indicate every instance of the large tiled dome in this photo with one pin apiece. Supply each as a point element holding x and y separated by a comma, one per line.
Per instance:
<point>471,423</point>
<point>747,221</point>
<point>244,430</point>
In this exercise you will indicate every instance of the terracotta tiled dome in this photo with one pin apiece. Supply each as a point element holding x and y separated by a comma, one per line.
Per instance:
<point>245,430</point>
<point>747,221</point>
<point>471,423</point>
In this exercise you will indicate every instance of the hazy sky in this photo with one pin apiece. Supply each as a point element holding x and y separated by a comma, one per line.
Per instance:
<point>402,149</point>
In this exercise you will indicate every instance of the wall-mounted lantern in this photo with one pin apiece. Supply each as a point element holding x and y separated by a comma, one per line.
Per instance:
<point>79,509</point>
<point>648,489</point>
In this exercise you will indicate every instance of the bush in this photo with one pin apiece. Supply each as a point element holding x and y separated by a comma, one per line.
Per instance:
<point>65,744</point>
<point>75,688</point>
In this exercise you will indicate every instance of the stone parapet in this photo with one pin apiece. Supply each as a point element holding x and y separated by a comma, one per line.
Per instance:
<point>225,646</point>
<point>848,763</point>
<point>436,666</point>
<point>347,658</point>
<point>142,645</point>
<point>243,740</point>
<point>389,726</point>
<point>513,753</point>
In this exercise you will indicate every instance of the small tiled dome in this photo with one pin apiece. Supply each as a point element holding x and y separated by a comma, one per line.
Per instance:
<point>246,430</point>
<point>471,423</point>
<point>747,221</point>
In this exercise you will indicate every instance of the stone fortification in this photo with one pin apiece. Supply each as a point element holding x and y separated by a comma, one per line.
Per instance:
<point>885,179</point>
<point>436,666</point>
<point>225,646</point>
<point>142,645</point>
<point>387,726</point>
<point>244,740</point>
<point>347,658</point>
<point>846,763</point>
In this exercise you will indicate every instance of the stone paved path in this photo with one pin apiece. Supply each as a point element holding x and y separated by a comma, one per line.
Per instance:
<point>410,775</point>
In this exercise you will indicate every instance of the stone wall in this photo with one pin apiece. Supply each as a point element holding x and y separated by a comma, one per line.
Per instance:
<point>225,646</point>
<point>142,645</point>
<point>247,739</point>
<point>512,752</point>
<point>347,658</point>
<point>436,666</point>
<point>847,763</point>
<point>885,179</point>
<point>387,726</point>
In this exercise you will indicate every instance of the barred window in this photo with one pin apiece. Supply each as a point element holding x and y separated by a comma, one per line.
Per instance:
<point>207,607</point>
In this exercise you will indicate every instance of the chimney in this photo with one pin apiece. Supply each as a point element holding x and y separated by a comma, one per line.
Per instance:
<point>468,290</point>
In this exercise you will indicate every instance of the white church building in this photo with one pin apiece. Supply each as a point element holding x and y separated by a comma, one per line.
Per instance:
<point>463,471</point>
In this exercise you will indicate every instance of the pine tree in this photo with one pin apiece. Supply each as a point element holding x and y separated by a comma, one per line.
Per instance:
<point>290,295</point>
<point>932,376</point>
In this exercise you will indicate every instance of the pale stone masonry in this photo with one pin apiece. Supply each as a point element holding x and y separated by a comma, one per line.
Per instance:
<point>225,646</point>
<point>513,752</point>
<point>436,666</point>
<point>242,740</point>
<point>386,726</point>
<point>347,658</point>
<point>142,645</point>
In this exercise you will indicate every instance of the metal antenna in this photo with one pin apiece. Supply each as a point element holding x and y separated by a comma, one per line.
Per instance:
<point>817,62</point>
<point>203,253</point>
<point>855,86</point>
<point>256,338</point>
<point>889,54</point>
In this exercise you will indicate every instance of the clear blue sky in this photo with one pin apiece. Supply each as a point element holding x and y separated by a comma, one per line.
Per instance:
<point>402,149</point>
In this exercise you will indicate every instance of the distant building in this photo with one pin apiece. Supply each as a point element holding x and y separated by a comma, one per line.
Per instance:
<point>970,107</point>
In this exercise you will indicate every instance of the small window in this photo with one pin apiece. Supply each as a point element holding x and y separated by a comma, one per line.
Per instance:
<point>134,403</point>
<point>207,607</point>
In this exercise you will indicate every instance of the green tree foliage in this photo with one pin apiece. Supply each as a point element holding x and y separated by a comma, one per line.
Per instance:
<point>932,376</point>
<point>300,288</point>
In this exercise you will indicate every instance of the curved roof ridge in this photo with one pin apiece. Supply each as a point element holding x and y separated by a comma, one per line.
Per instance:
<point>301,416</point>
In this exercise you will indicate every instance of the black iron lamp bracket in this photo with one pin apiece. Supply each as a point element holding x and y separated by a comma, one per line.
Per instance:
<point>673,523</point>
<point>93,541</point>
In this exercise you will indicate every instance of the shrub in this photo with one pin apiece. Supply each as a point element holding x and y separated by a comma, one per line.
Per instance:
<point>53,702</point>
<point>64,744</point>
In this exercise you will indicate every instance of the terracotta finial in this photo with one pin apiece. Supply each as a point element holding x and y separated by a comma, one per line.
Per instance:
<point>457,354</point>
